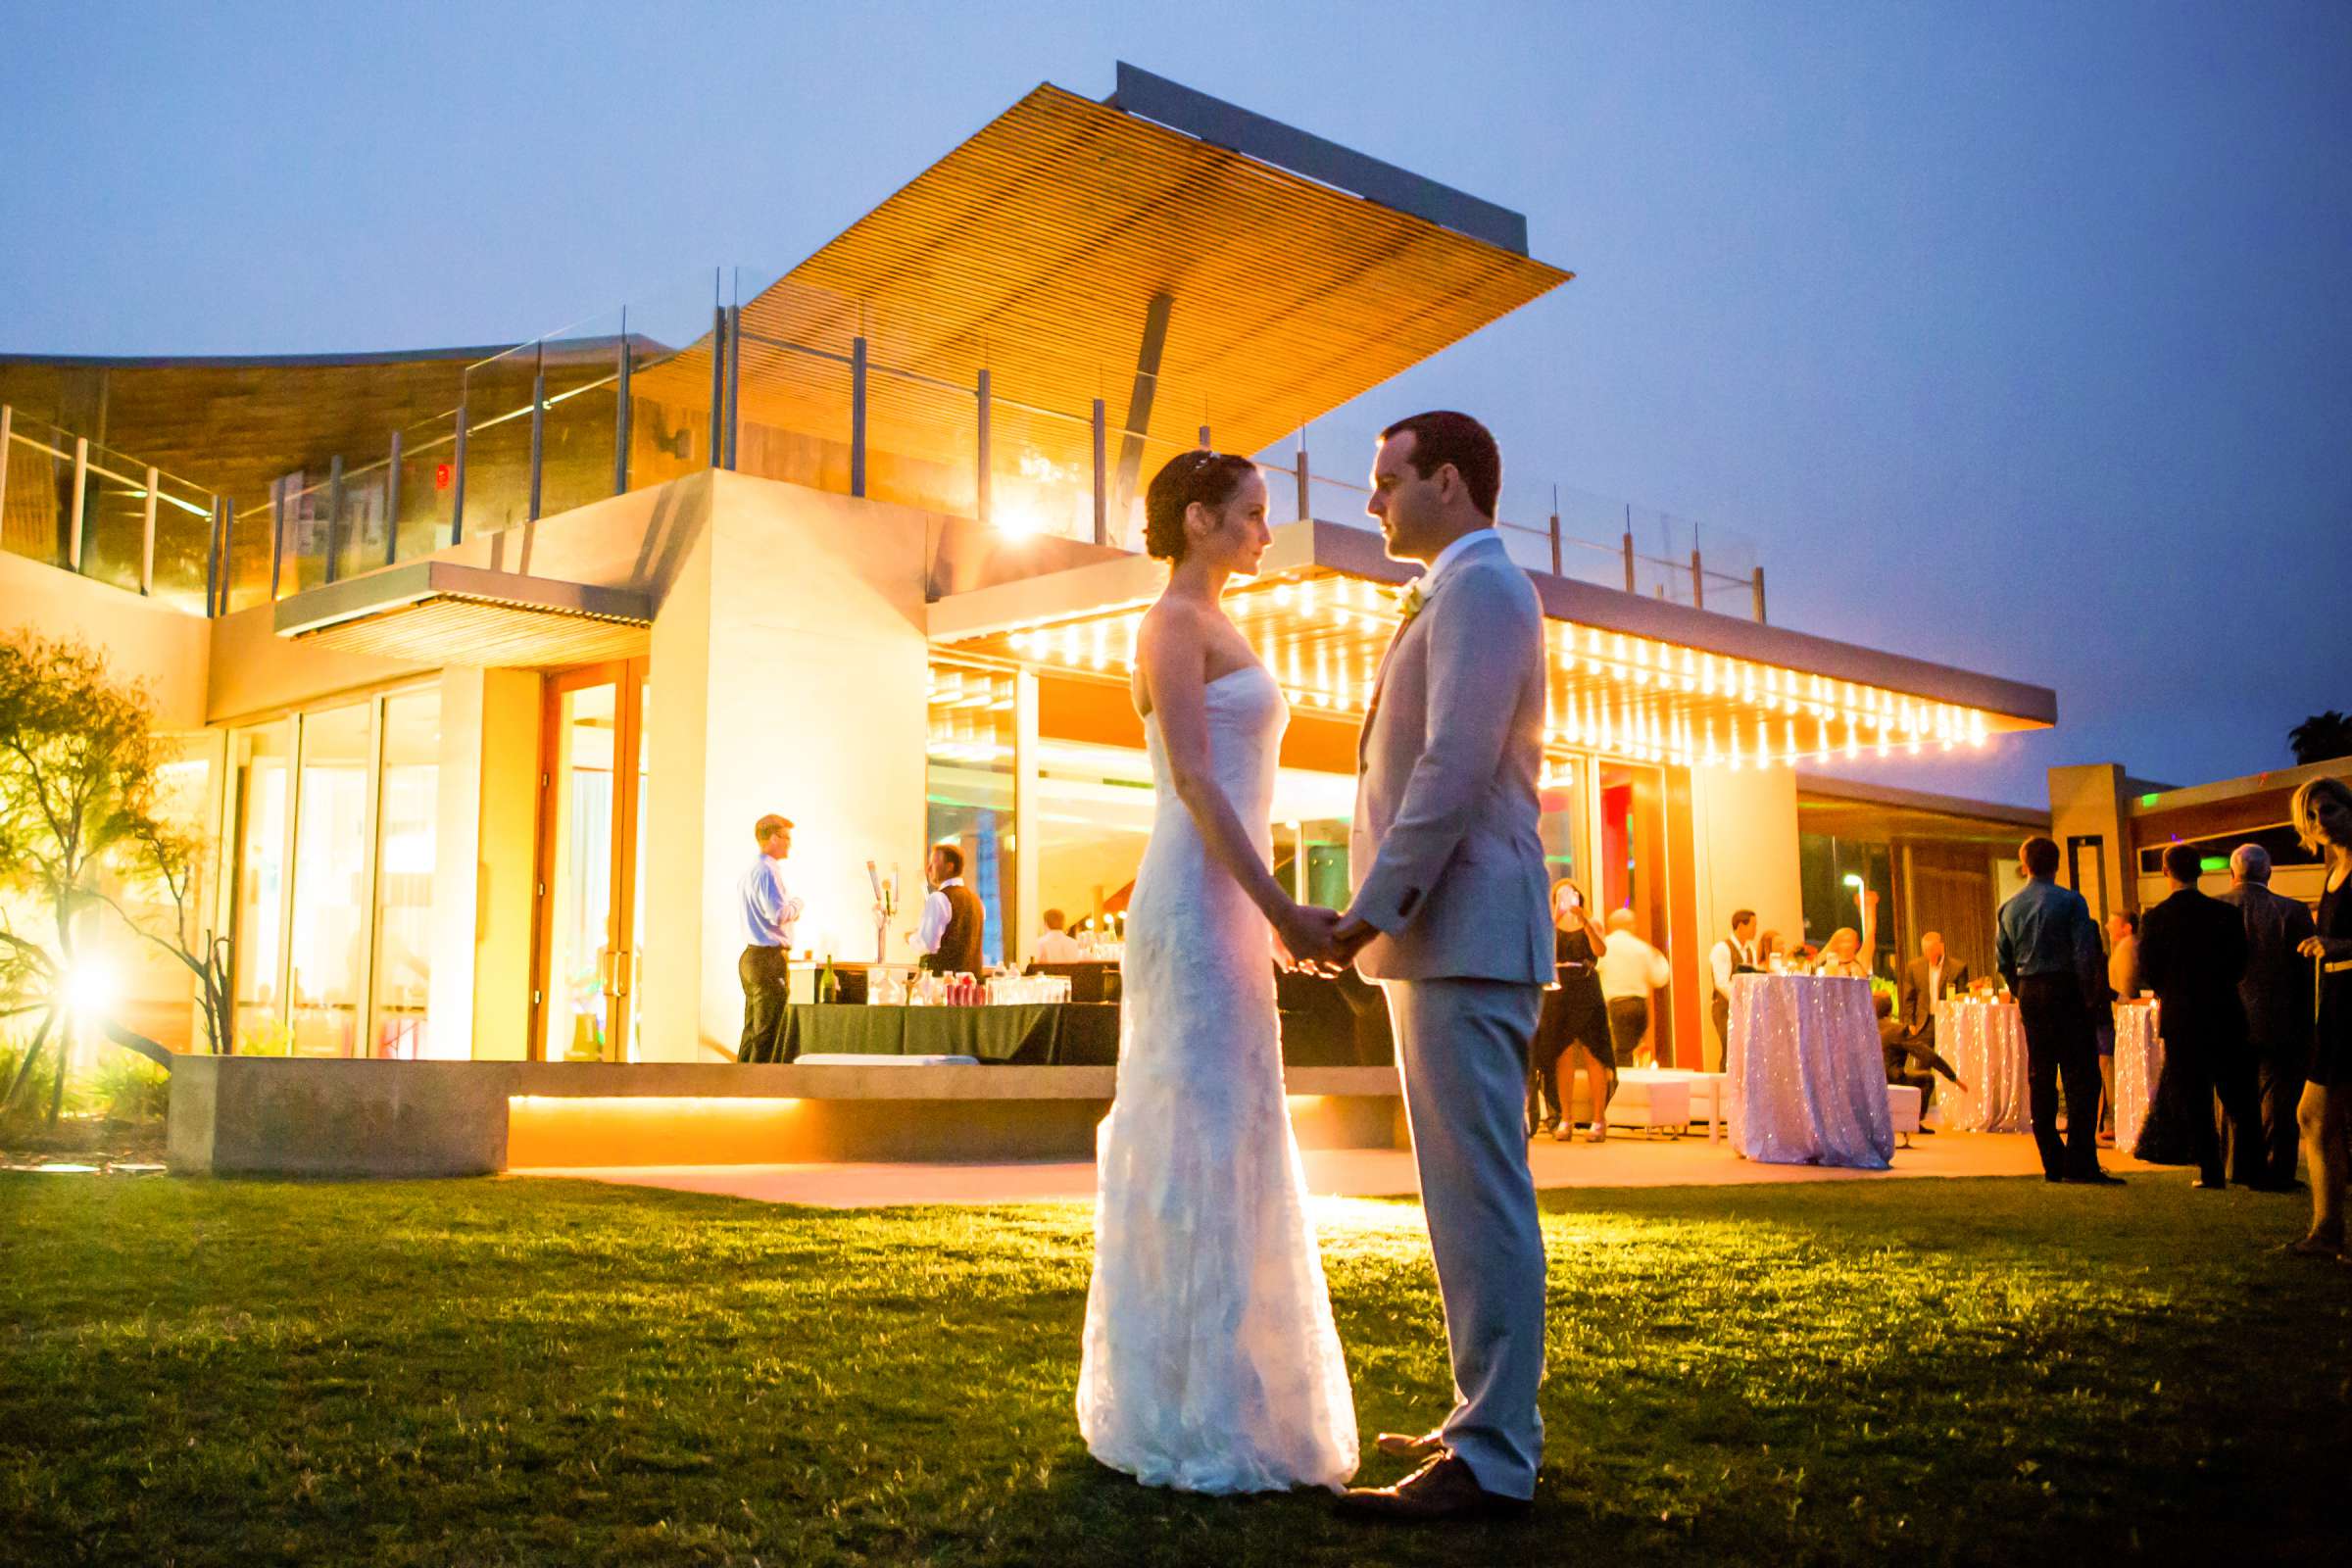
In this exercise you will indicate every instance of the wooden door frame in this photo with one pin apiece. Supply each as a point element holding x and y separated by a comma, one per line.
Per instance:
<point>627,679</point>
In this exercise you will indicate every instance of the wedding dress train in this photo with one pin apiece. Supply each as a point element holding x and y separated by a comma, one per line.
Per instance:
<point>1210,1361</point>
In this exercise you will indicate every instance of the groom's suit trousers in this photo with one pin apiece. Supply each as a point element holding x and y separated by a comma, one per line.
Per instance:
<point>1462,1049</point>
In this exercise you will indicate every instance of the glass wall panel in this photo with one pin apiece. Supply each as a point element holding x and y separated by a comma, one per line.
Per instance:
<point>579,893</point>
<point>327,937</point>
<point>404,874</point>
<point>968,785</point>
<point>638,925</point>
<point>258,760</point>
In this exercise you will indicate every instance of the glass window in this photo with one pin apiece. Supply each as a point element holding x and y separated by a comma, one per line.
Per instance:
<point>404,874</point>
<point>259,758</point>
<point>579,902</point>
<point>968,786</point>
<point>327,938</point>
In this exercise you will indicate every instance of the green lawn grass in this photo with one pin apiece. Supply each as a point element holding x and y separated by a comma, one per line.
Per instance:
<point>543,1372</point>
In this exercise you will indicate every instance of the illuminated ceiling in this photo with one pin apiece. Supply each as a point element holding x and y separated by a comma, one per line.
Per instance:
<point>1630,677</point>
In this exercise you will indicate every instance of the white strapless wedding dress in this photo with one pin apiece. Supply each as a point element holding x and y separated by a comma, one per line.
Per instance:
<point>1210,1361</point>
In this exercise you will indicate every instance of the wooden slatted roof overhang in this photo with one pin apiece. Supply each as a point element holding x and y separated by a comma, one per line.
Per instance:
<point>436,611</point>
<point>1035,249</point>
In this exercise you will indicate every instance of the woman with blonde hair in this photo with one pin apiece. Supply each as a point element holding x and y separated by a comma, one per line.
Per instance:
<point>2323,814</point>
<point>1575,1020</point>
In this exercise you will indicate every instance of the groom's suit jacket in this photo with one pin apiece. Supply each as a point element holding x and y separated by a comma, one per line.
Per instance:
<point>1447,861</point>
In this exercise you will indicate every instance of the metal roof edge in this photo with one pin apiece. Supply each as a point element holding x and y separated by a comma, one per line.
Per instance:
<point>394,587</point>
<point>1809,782</point>
<point>1155,98</point>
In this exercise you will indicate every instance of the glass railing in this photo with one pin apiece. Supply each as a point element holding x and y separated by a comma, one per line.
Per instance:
<point>84,506</point>
<point>788,381</point>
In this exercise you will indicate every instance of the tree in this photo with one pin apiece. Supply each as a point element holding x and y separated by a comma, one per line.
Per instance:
<point>2322,738</point>
<point>82,820</point>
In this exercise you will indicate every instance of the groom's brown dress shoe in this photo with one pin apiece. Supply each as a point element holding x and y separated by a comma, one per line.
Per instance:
<point>1398,1445</point>
<point>1443,1488</point>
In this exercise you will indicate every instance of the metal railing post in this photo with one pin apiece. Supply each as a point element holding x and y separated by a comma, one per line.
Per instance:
<point>147,537</point>
<point>1698,582</point>
<point>538,438</point>
<point>392,504</point>
<point>334,515</point>
<point>718,381</point>
<point>1755,585</point>
<point>1102,475</point>
<point>81,473</point>
<point>8,421</point>
<point>858,416</point>
<point>1307,503</point>
<point>1555,530</point>
<point>734,380</point>
<point>982,499</point>
<point>620,416</point>
<point>457,480</point>
<point>212,556</point>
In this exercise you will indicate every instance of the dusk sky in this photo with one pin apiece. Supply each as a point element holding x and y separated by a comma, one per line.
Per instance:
<point>2014,336</point>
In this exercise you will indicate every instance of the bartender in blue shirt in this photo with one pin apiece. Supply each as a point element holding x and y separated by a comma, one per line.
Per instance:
<point>2049,953</point>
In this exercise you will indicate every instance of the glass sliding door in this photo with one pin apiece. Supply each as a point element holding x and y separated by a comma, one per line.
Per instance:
<point>260,813</point>
<point>401,970</point>
<point>1632,871</point>
<point>591,764</point>
<point>327,945</point>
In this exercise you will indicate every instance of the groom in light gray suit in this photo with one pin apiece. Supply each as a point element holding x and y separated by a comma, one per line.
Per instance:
<point>1451,916</point>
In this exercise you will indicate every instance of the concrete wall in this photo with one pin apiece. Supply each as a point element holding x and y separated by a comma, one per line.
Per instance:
<point>815,705</point>
<point>168,650</point>
<point>2088,800</point>
<point>254,671</point>
<point>1745,827</point>
<point>274,1116</point>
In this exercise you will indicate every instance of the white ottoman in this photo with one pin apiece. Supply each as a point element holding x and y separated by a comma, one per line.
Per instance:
<point>1902,1109</point>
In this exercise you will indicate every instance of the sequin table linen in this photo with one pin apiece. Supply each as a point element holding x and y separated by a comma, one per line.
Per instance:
<point>1985,1043</point>
<point>2138,1065</point>
<point>1806,1082</point>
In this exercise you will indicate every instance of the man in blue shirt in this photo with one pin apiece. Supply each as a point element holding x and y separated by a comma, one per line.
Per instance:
<point>2049,953</point>
<point>769,914</point>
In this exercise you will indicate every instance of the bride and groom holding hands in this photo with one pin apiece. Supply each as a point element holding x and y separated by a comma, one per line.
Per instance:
<point>1210,1361</point>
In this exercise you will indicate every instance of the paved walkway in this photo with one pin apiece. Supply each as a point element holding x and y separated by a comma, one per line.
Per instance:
<point>1625,1160</point>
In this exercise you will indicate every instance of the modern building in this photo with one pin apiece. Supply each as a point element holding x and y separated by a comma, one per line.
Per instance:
<point>2114,830</point>
<point>483,662</point>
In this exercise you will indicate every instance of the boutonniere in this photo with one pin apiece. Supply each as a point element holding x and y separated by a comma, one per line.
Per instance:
<point>1407,600</point>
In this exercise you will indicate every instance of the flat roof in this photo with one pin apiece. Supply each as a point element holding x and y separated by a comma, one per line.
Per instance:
<point>1630,676</point>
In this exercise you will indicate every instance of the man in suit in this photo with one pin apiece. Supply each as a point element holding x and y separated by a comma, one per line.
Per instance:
<point>2275,993</point>
<point>1451,916</point>
<point>1927,980</point>
<point>2192,954</point>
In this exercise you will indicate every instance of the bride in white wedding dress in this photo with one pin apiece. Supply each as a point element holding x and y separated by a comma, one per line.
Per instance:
<point>1210,1362</point>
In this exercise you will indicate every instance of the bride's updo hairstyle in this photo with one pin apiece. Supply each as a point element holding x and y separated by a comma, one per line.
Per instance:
<point>1208,477</point>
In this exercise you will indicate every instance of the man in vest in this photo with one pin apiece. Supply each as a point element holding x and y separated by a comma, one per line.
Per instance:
<point>949,934</point>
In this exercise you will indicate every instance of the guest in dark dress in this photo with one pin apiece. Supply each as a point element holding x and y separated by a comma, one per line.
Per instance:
<point>2276,993</point>
<point>1575,1022</point>
<point>2192,954</point>
<point>2323,813</point>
